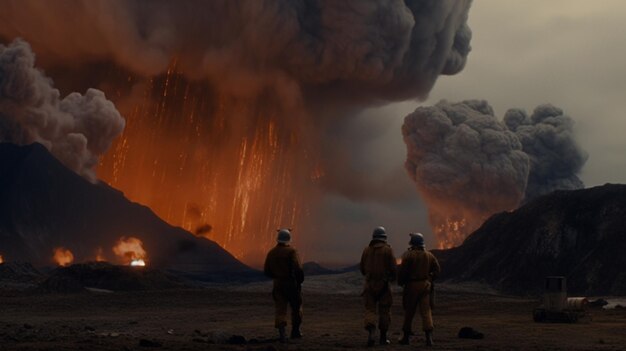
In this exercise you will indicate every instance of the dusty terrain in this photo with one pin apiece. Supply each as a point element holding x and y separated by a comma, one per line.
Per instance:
<point>201,319</point>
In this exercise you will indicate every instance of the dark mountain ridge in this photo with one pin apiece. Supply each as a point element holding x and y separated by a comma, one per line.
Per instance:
<point>579,234</point>
<point>44,205</point>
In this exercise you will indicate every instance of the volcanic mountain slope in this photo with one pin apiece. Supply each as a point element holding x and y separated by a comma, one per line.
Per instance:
<point>44,205</point>
<point>579,234</point>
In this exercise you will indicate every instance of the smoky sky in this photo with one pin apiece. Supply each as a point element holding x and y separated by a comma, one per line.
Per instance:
<point>329,59</point>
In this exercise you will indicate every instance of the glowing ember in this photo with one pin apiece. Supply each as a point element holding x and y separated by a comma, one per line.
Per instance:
<point>399,261</point>
<point>451,233</point>
<point>100,256</point>
<point>63,256</point>
<point>137,263</point>
<point>1,259</point>
<point>131,251</point>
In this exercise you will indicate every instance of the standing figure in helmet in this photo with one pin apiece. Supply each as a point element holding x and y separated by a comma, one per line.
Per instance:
<point>378,265</point>
<point>418,270</point>
<point>283,266</point>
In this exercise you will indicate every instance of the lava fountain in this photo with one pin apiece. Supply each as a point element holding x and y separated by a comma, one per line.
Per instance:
<point>230,169</point>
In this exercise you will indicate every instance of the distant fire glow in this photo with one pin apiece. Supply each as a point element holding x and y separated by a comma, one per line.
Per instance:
<point>451,233</point>
<point>63,256</point>
<point>138,263</point>
<point>100,256</point>
<point>130,250</point>
<point>1,259</point>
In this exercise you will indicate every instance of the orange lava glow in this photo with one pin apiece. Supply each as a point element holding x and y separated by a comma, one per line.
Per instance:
<point>203,159</point>
<point>451,233</point>
<point>100,256</point>
<point>63,256</point>
<point>129,250</point>
<point>138,263</point>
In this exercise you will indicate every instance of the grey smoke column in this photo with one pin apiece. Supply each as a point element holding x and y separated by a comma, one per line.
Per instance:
<point>76,129</point>
<point>469,165</point>
<point>547,136</point>
<point>380,49</point>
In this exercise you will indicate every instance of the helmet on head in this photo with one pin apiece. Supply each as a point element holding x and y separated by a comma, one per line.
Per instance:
<point>379,233</point>
<point>284,236</point>
<point>417,239</point>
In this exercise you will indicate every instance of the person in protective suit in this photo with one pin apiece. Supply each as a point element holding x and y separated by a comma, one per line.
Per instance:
<point>417,271</point>
<point>378,265</point>
<point>283,266</point>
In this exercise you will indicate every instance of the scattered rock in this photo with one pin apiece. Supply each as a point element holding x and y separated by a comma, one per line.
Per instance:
<point>619,307</point>
<point>470,333</point>
<point>201,333</point>
<point>598,303</point>
<point>236,340</point>
<point>149,343</point>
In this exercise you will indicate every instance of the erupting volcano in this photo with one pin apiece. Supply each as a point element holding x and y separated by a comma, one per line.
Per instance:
<point>224,132</point>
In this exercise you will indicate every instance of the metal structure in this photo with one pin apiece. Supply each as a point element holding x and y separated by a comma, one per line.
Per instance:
<point>559,308</point>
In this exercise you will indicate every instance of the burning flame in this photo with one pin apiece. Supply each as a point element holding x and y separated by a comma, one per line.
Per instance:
<point>451,233</point>
<point>1,259</point>
<point>63,256</point>
<point>130,250</point>
<point>100,256</point>
<point>138,263</point>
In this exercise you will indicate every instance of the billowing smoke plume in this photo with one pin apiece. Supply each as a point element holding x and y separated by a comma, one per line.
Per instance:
<point>555,157</point>
<point>76,129</point>
<point>390,48</point>
<point>468,165</point>
<point>226,100</point>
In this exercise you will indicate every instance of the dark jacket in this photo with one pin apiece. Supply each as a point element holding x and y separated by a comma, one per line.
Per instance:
<point>378,262</point>
<point>283,263</point>
<point>418,265</point>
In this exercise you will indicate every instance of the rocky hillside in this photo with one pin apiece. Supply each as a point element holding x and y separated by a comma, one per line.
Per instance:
<point>44,205</point>
<point>579,234</point>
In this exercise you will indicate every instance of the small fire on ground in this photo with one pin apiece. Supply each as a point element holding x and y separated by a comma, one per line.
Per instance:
<point>63,256</point>
<point>131,251</point>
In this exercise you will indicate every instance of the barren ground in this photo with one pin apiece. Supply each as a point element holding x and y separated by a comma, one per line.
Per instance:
<point>202,319</point>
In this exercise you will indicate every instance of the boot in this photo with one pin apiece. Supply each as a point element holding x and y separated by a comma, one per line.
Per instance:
<point>405,339</point>
<point>383,338</point>
<point>295,332</point>
<point>282,338</point>
<point>429,338</point>
<point>370,337</point>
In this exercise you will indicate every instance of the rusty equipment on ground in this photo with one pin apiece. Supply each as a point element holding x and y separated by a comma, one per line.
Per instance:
<point>557,307</point>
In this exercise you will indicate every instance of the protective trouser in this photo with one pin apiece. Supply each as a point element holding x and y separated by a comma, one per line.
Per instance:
<point>417,294</point>
<point>287,293</point>
<point>377,298</point>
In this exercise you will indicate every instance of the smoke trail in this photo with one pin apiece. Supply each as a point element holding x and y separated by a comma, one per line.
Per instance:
<point>469,165</point>
<point>76,129</point>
